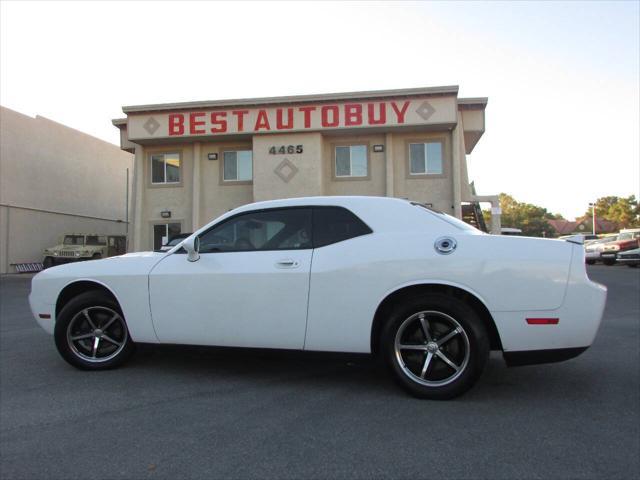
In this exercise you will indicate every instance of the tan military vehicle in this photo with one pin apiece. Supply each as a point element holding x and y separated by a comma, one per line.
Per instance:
<point>76,247</point>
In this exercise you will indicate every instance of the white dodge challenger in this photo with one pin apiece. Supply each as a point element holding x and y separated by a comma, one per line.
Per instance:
<point>425,292</point>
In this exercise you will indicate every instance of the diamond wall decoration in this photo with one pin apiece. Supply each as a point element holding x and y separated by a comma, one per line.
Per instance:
<point>286,170</point>
<point>425,110</point>
<point>151,125</point>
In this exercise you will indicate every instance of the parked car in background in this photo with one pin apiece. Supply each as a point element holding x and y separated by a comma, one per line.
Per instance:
<point>627,240</point>
<point>423,291</point>
<point>76,247</point>
<point>585,237</point>
<point>175,240</point>
<point>593,249</point>
<point>630,258</point>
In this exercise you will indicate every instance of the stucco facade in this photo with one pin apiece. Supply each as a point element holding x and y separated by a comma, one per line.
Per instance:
<point>55,180</point>
<point>218,155</point>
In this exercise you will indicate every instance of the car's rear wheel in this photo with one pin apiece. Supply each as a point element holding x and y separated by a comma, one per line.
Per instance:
<point>91,332</point>
<point>436,346</point>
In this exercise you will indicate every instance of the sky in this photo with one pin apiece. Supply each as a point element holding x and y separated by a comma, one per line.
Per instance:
<point>563,79</point>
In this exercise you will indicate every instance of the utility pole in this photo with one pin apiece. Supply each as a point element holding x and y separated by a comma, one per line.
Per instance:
<point>126,214</point>
<point>593,216</point>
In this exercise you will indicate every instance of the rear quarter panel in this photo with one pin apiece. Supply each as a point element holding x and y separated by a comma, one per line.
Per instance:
<point>351,278</point>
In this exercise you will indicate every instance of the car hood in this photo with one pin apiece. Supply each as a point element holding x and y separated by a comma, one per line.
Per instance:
<point>129,264</point>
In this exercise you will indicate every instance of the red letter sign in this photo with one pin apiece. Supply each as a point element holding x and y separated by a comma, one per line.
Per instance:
<point>240,116</point>
<point>262,121</point>
<point>352,114</point>
<point>307,115</point>
<point>218,122</point>
<point>382,116</point>
<point>194,123</point>
<point>400,113</point>
<point>335,118</point>
<point>280,125</point>
<point>176,124</point>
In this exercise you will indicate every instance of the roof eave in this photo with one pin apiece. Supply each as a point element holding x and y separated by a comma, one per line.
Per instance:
<point>361,95</point>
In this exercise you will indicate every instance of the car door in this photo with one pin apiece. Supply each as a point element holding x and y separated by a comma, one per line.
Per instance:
<point>249,287</point>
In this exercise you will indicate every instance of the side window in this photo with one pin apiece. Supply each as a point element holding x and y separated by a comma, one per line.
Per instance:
<point>279,229</point>
<point>165,168</point>
<point>335,224</point>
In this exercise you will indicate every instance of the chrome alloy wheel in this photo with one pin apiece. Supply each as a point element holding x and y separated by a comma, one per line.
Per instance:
<point>432,348</point>
<point>97,334</point>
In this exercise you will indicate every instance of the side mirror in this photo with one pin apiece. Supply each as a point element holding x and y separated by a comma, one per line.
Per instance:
<point>192,246</point>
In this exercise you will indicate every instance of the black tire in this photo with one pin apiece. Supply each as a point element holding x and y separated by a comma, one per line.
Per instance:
<point>609,262</point>
<point>442,310</point>
<point>48,262</point>
<point>96,256</point>
<point>632,265</point>
<point>83,353</point>
<point>590,262</point>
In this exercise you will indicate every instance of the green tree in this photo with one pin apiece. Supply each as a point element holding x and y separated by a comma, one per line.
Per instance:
<point>531,219</point>
<point>623,211</point>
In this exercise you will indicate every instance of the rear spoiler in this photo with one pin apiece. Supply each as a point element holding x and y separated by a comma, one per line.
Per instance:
<point>577,239</point>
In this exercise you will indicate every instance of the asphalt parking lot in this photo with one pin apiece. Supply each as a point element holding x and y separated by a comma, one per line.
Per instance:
<point>177,412</point>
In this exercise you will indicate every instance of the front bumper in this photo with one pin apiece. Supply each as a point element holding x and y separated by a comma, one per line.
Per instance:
<point>43,312</point>
<point>628,260</point>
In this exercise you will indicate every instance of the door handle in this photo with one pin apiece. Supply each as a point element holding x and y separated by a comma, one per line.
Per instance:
<point>287,263</point>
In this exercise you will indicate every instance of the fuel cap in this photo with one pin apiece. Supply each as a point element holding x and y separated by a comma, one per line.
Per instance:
<point>445,245</point>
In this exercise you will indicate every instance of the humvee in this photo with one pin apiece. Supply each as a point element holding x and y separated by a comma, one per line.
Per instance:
<point>76,247</point>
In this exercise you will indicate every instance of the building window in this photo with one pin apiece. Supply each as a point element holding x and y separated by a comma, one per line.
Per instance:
<point>351,161</point>
<point>425,158</point>
<point>165,168</point>
<point>164,232</point>
<point>238,166</point>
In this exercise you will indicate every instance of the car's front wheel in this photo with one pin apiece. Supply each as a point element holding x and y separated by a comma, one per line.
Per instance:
<point>436,346</point>
<point>91,332</point>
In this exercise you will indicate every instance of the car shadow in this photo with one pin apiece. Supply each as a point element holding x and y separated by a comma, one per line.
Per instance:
<point>358,372</point>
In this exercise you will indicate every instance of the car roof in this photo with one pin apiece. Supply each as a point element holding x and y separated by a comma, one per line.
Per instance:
<point>342,201</point>
<point>382,214</point>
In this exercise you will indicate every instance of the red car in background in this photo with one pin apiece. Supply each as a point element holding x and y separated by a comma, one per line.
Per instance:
<point>627,240</point>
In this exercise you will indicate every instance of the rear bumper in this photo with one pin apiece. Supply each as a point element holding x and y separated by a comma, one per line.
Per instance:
<point>534,357</point>
<point>574,326</point>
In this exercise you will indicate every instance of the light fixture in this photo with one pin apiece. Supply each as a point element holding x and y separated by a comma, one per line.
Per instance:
<point>212,156</point>
<point>378,148</point>
<point>165,214</point>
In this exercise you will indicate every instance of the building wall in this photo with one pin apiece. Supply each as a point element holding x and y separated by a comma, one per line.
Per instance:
<point>315,175</point>
<point>54,179</point>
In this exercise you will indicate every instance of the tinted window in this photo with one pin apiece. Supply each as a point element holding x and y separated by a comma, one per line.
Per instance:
<point>283,229</point>
<point>335,224</point>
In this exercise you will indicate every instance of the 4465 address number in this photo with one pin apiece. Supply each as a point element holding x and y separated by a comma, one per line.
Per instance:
<point>284,149</point>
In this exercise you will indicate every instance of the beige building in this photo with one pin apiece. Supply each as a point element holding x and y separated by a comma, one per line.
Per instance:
<point>197,160</point>
<point>54,180</point>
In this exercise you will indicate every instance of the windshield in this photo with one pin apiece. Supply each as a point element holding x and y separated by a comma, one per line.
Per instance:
<point>73,240</point>
<point>628,235</point>
<point>96,240</point>
<point>449,219</point>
